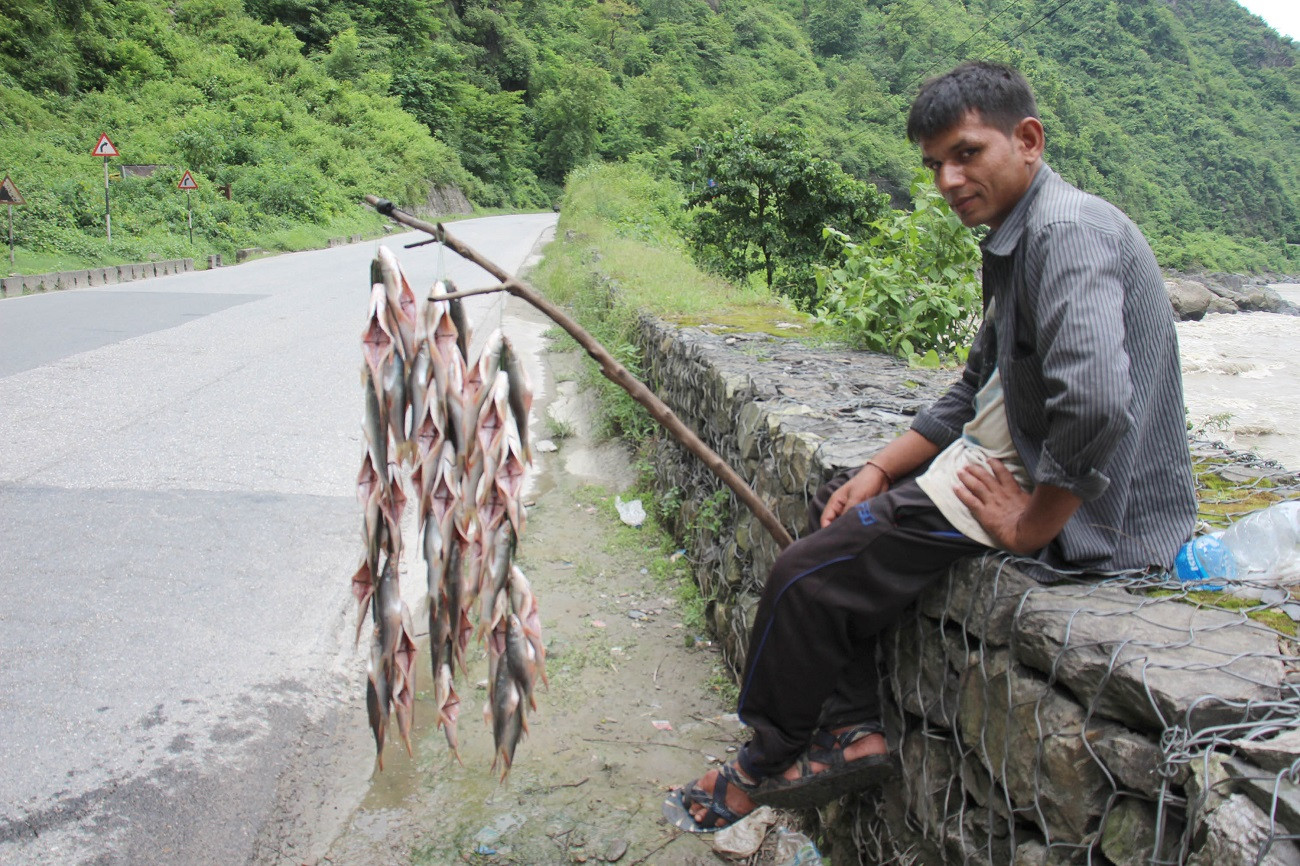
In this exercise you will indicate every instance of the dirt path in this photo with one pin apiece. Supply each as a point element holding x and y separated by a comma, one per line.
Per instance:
<point>589,779</point>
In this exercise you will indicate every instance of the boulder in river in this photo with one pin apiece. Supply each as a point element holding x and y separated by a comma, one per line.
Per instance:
<point>1194,296</point>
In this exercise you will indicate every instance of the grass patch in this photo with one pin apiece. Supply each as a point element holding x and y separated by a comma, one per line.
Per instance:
<point>724,685</point>
<point>652,544</point>
<point>1271,617</point>
<point>556,428</point>
<point>1220,500</point>
<point>620,253</point>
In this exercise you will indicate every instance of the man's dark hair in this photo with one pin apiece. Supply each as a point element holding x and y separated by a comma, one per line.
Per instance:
<point>999,93</point>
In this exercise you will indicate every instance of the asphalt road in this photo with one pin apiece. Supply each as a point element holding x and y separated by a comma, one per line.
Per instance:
<point>177,465</point>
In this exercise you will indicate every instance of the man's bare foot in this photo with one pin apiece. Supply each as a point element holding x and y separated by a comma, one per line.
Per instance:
<point>870,744</point>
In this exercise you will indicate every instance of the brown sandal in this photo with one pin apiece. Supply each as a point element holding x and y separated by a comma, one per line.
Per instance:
<point>676,808</point>
<point>840,777</point>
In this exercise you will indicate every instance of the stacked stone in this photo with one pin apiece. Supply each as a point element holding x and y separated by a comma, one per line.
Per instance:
<point>787,417</point>
<point>1098,722</point>
<point>1057,723</point>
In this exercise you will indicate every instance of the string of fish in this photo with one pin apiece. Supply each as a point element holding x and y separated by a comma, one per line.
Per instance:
<point>456,433</point>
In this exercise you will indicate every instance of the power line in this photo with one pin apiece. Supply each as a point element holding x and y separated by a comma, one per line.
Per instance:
<point>1049,13</point>
<point>1006,42</point>
<point>943,57</point>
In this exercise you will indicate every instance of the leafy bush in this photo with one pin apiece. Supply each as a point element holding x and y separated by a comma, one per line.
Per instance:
<point>911,289</point>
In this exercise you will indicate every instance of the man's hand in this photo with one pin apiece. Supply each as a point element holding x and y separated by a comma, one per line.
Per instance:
<point>1017,521</point>
<point>870,481</point>
<point>899,458</point>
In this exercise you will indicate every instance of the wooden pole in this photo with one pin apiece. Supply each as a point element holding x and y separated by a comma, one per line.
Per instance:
<point>611,368</point>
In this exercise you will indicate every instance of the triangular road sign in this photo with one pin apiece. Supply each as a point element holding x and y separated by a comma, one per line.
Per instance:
<point>104,147</point>
<point>9,193</point>
<point>187,181</point>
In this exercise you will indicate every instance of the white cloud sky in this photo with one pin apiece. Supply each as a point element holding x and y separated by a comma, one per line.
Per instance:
<point>1282,15</point>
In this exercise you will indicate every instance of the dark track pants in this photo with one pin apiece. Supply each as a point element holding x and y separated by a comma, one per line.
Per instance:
<point>812,650</point>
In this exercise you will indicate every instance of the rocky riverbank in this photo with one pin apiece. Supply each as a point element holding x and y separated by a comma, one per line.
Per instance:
<point>1194,295</point>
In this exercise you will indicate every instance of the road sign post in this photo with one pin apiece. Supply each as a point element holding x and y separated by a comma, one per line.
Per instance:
<point>10,195</point>
<point>105,149</point>
<point>187,183</point>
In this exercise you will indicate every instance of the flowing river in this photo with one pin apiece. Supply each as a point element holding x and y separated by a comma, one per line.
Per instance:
<point>1241,383</point>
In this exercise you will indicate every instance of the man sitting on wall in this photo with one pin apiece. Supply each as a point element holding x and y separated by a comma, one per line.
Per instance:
<point>1063,441</point>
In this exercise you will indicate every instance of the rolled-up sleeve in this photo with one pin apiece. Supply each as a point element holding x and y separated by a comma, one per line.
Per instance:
<point>1077,366</point>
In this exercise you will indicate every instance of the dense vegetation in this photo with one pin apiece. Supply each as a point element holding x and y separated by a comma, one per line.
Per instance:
<point>1184,114</point>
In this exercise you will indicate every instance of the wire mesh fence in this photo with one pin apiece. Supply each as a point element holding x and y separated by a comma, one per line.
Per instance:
<point>1125,719</point>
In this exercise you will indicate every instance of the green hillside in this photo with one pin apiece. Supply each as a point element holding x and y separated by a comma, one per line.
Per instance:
<point>1186,114</point>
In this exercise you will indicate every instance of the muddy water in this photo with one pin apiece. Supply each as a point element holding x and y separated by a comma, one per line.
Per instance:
<point>629,710</point>
<point>1242,381</point>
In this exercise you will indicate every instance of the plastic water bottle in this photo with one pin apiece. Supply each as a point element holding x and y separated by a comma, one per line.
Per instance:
<point>1260,551</point>
<point>1205,563</point>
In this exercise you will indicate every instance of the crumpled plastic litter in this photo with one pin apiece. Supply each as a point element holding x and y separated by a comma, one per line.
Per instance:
<point>795,849</point>
<point>743,838</point>
<point>632,513</point>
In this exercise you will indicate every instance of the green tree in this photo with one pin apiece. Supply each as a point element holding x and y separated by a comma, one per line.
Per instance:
<point>761,202</point>
<point>911,288</point>
<point>570,114</point>
<point>833,25</point>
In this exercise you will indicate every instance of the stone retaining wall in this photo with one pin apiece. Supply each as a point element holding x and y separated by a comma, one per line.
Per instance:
<point>1085,721</point>
<point>25,285</point>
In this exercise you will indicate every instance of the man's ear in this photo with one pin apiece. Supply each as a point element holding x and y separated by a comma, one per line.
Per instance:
<point>1030,138</point>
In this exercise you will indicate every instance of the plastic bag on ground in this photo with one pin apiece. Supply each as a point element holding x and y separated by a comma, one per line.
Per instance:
<point>743,838</point>
<point>632,513</point>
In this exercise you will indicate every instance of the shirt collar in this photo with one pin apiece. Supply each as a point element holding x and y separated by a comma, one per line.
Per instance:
<point>1006,236</point>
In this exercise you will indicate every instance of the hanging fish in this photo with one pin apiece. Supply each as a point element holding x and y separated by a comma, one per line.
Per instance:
<point>461,430</point>
<point>483,371</point>
<point>524,604</point>
<point>446,323</point>
<point>500,493</point>
<point>374,424</point>
<point>494,418</point>
<point>449,386</point>
<point>523,657</point>
<point>377,696</point>
<point>392,503</point>
<point>374,530</point>
<point>384,269</point>
<point>396,400</point>
<point>506,711</point>
<point>520,395</point>
<point>448,704</point>
<point>457,312</point>
<point>419,378</point>
<point>402,679</point>
<point>377,341</point>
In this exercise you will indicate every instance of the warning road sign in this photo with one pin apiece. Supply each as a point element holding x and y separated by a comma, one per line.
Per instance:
<point>187,181</point>
<point>104,147</point>
<point>9,193</point>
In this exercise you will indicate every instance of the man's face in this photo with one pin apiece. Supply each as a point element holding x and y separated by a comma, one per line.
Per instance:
<point>982,171</point>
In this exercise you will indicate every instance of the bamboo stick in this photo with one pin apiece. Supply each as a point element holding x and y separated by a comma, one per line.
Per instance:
<point>611,368</point>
